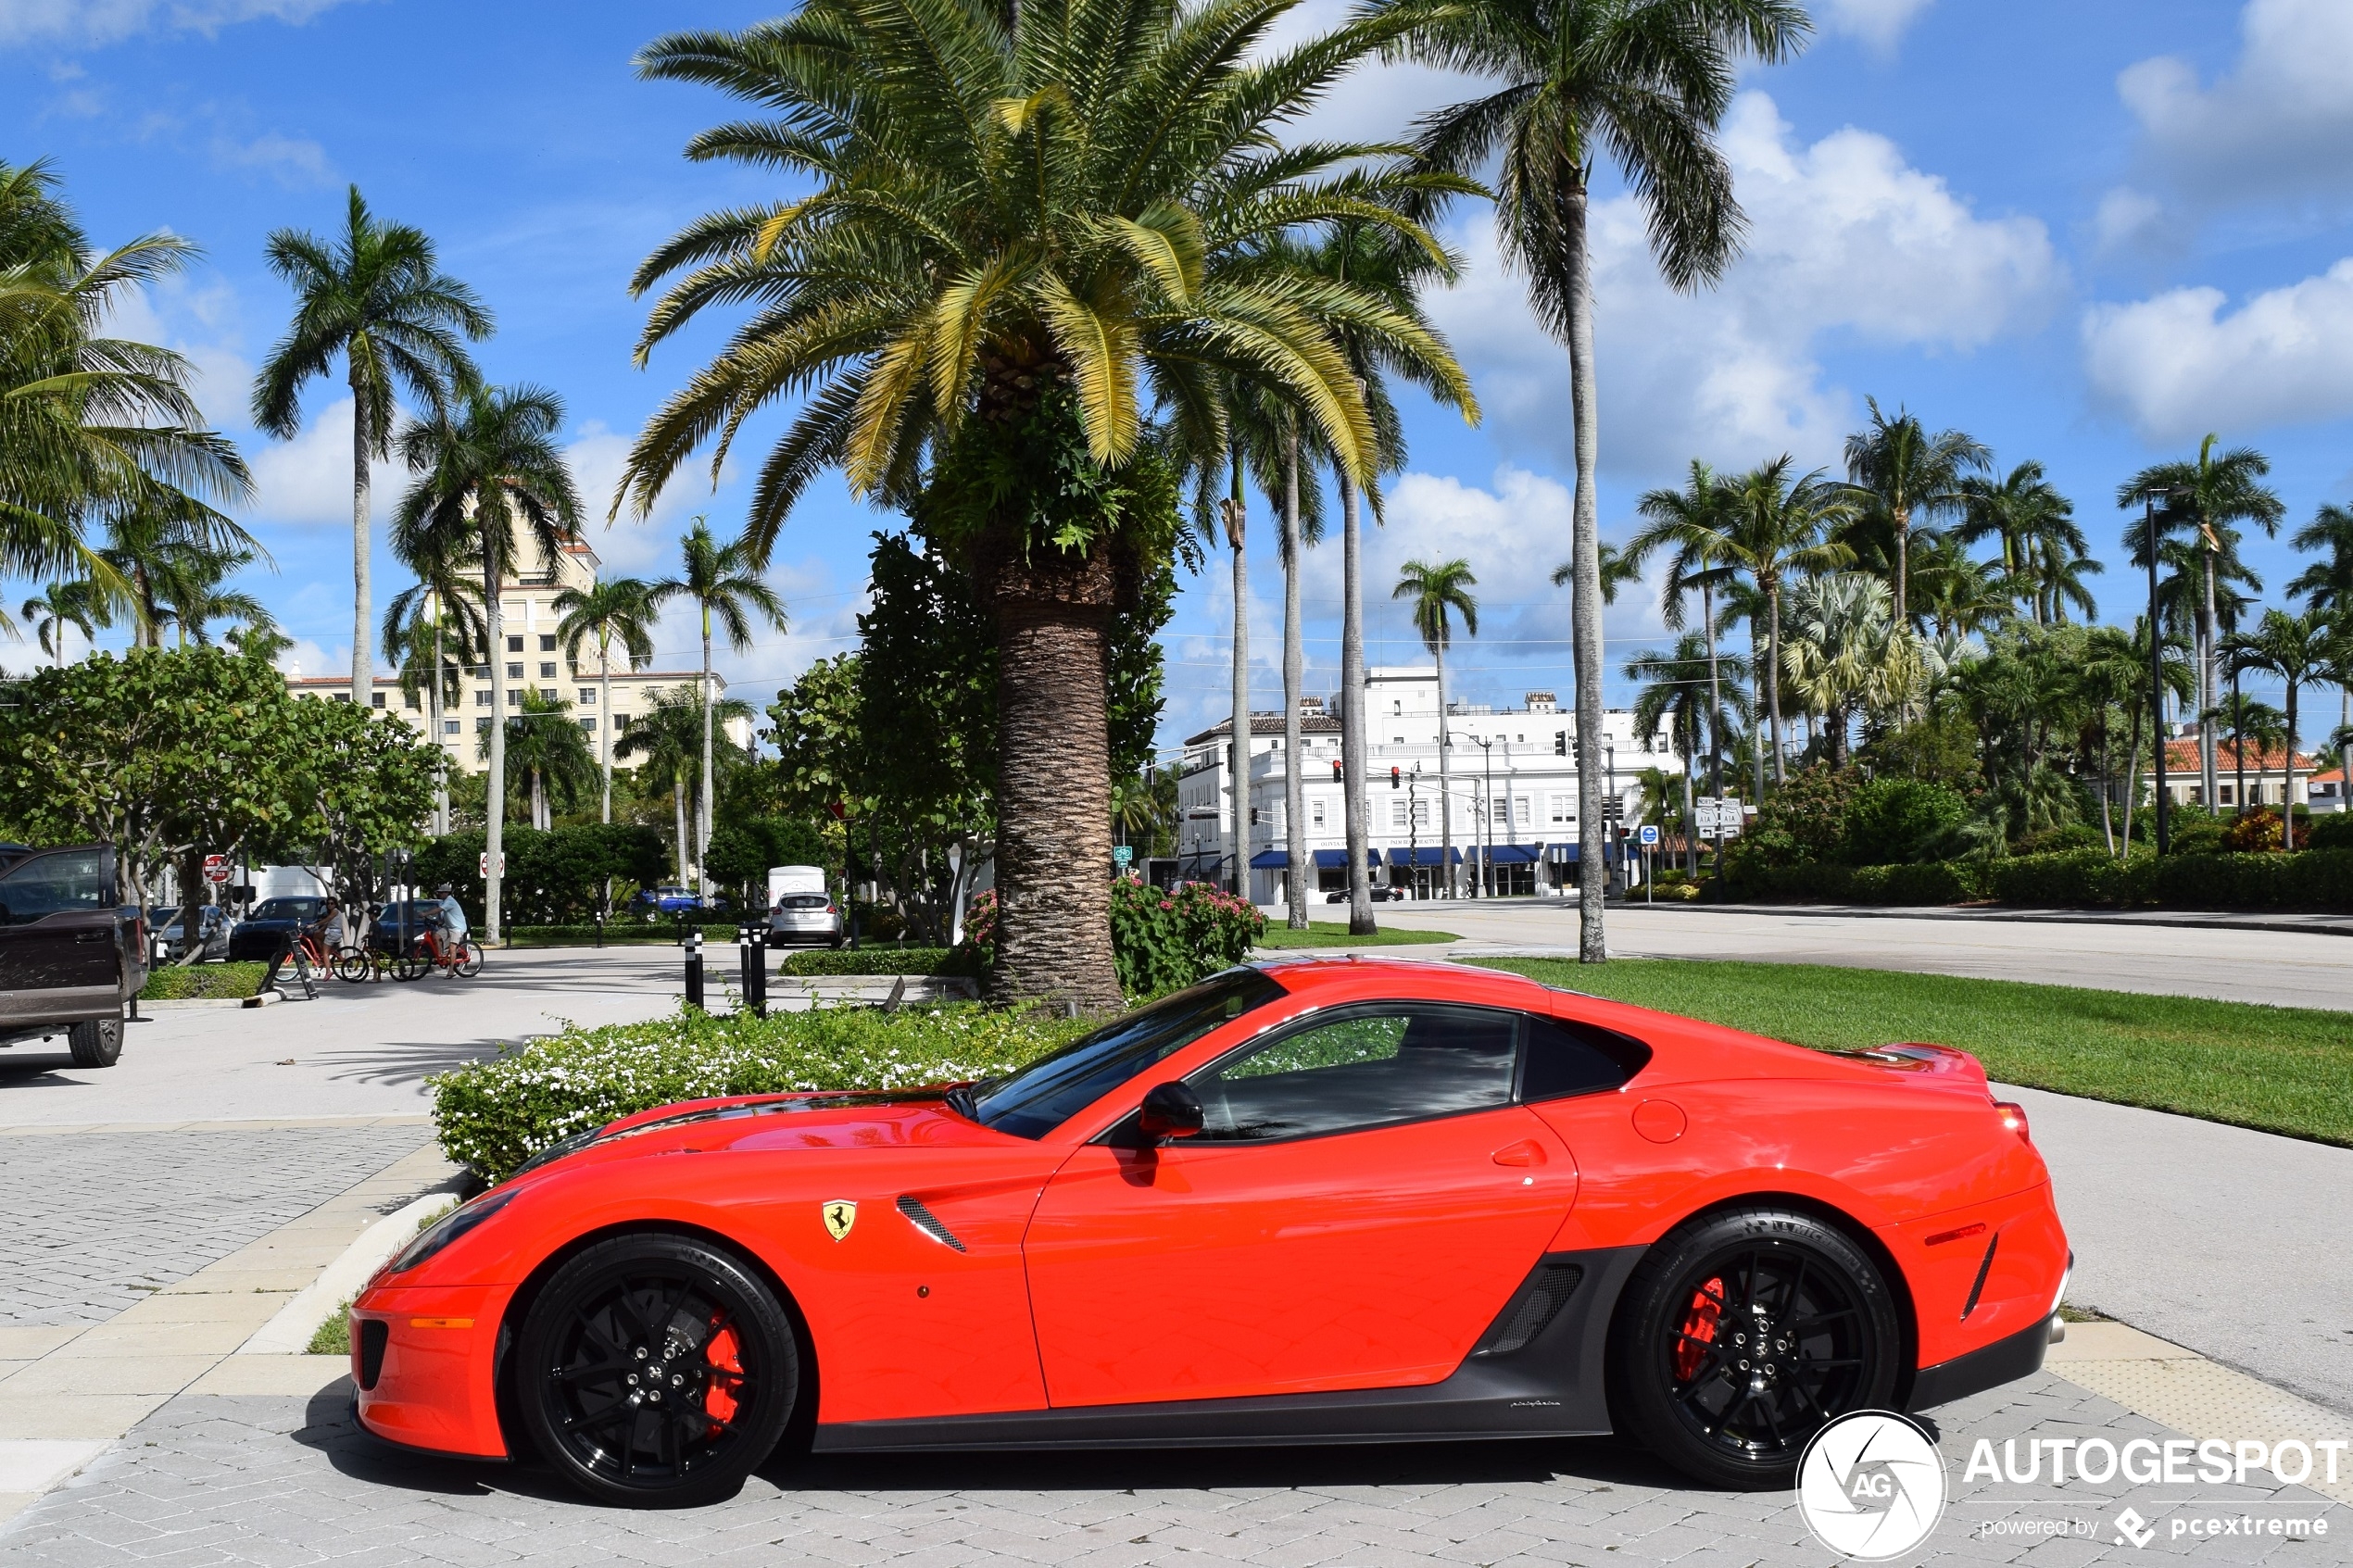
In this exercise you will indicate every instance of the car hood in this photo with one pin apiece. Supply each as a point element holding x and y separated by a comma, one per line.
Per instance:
<point>877,1119</point>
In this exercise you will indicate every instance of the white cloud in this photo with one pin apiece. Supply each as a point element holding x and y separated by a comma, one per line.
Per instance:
<point>93,22</point>
<point>1879,24</point>
<point>2125,216</point>
<point>293,161</point>
<point>306,481</point>
<point>598,455</point>
<point>1845,237</point>
<point>2183,363</point>
<point>2279,122</point>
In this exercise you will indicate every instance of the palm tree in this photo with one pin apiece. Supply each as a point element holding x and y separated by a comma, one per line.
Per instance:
<point>1439,592</point>
<point>60,605</point>
<point>89,423</point>
<point>195,597</point>
<point>2133,695</point>
<point>444,550</point>
<point>611,610</point>
<point>2327,584</point>
<point>2202,500</point>
<point>1845,651</point>
<point>489,467</point>
<point>720,580</point>
<point>1679,690</point>
<point>2298,648</point>
<point>376,296</point>
<point>669,736</point>
<point>544,744</point>
<point>993,289</point>
<point>1897,473</point>
<point>2244,719</point>
<point>1956,593</point>
<point>1647,83</point>
<point>1689,524</point>
<point>2031,522</point>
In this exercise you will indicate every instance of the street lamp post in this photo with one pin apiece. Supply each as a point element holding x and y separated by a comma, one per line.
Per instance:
<point>1486,821</point>
<point>2156,681</point>
<point>1613,811</point>
<point>1413,828</point>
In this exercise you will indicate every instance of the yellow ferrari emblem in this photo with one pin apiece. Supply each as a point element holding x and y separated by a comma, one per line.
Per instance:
<point>841,1214</point>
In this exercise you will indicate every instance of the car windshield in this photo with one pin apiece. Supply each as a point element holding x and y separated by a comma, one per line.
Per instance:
<point>801,901</point>
<point>288,909</point>
<point>1048,1092</point>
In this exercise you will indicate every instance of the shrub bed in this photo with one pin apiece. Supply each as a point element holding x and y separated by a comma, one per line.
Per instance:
<point>493,1114</point>
<point>1164,939</point>
<point>203,982</point>
<point>967,962</point>
<point>1937,882</point>
<point>620,931</point>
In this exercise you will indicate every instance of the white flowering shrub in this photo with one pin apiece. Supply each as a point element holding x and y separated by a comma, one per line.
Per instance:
<point>496,1113</point>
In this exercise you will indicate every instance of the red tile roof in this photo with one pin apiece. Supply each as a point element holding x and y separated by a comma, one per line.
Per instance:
<point>2181,756</point>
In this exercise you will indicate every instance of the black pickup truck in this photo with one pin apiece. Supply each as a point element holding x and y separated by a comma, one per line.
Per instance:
<point>71,959</point>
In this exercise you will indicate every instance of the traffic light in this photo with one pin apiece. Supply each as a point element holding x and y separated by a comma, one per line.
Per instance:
<point>1336,778</point>
<point>1396,779</point>
<point>1560,743</point>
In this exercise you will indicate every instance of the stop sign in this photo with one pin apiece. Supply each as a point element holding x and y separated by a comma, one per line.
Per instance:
<point>215,869</point>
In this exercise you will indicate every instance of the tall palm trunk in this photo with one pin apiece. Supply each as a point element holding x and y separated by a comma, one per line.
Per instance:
<point>1903,558</point>
<point>1054,794</point>
<point>1715,698</point>
<point>1585,598</point>
<point>362,667</point>
<point>604,725</point>
<point>2133,785</point>
<point>1773,674</point>
<point>679,788</point>
<point>1239,756</point>
<point>433,717</point>
<point>1690,818</point>
<point>2206,682</point>
<point>702,805</point>
<point>1352,739</point>
<point>495,806</point>
<point>1445,782</point>
<point>2108,790</point>
<point>1294,674</point>
<point>2287,796</point>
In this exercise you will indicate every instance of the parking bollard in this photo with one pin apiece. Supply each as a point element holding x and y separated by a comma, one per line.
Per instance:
<point>753,941</point>
<point>694,968</point>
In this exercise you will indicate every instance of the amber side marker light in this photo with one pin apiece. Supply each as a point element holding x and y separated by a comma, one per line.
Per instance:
<point>2014,1118</point>
<point>1961,1235</point>
<point>468,1323</point>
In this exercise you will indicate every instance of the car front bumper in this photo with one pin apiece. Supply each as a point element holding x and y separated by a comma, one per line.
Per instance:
<point>424,1361</point>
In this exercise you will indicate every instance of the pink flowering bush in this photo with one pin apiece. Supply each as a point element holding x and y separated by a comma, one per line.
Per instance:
<point>1161,939</point>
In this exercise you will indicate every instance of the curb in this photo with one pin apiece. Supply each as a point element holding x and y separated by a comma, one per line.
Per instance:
<point>288,1334</point>
<point>174,1004</point>
<point>2299,923</point>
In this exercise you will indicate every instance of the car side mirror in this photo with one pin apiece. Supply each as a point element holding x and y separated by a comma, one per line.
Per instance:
<point>1170,1110</point>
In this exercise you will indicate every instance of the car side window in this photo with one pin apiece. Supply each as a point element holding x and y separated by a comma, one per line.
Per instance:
<point>75,880</point>
<point>1565,1057</point>
<point>1367,1067</point>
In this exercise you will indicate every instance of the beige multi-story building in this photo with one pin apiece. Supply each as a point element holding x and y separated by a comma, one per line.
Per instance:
<point>533,663</point>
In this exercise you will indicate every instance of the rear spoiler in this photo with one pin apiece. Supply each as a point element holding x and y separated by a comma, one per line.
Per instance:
<point>1939,1062</point>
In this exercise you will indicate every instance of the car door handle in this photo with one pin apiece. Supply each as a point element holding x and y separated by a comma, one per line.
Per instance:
<point>89,935</point>
<point>1527,1152</point>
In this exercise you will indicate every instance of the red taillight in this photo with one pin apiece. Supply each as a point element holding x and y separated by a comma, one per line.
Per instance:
<point>2014,1118</point>
<point>831,911</point>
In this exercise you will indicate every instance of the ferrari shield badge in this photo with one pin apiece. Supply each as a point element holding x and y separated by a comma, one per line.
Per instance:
<point>841,1214</point>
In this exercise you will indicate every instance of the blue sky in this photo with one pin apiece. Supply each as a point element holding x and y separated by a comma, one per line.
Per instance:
<point>2086,234</point>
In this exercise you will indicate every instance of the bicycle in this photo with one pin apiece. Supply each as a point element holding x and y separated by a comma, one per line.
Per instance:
<point>353,965</point>
<point>308,956</point>
<point>462,959</point>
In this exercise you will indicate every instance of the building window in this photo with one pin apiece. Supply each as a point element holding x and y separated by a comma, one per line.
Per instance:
<point>1400,741</point>
<point>1398,709</point>
<point>546,643</point>
<point>450,727</point>
<point>515,699</point>
<point>482,699</point>
<point>375,699</point>
<point>1315,812</point>
<point>1502,811</point>
<point>547,670</point>
<point>1521,810</point>
<point>1397,815</point>
<point>482,726</point>
<point>1421,813</point>
<point>620,721</point>
<point>1563,807</point>
<point>342,697</point>
<point>514,645</point>
<point>408,700</point>
<point>514,672</point>
<point>588,724</point>
<point>587,697</point>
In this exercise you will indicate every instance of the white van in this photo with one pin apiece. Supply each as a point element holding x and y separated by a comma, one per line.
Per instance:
<point>801,910</point>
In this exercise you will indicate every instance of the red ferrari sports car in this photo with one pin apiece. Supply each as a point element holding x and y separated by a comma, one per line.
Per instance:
<point>1307,1202</point>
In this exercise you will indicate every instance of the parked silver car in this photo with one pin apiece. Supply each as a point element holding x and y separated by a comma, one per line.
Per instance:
<point>805,920</point>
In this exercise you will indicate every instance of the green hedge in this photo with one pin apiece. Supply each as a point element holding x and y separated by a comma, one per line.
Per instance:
<point>1938,882</point>
<point>2309,879</point>
<point>631,932</point>
<point>967,962</point>
<point>493,1114</point>
<point>184,983</point>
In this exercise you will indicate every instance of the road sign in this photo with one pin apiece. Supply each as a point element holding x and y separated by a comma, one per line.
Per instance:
<point>1121,855</point>
<point>482,864</point>
<point>216,869</point>
<point>1706,818</point>
<point>1649,834</point>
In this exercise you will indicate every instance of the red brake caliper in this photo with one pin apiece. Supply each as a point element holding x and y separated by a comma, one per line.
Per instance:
<point>723,1352</point>
<point>1699,1330</point>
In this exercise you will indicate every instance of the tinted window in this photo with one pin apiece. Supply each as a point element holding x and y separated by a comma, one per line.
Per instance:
<point>1366,1067</point>
<point>70,881</point>
<point>802,901</point>
<point>1567,1058</point>
<point>288,909</point>
<point>1047,1093</point>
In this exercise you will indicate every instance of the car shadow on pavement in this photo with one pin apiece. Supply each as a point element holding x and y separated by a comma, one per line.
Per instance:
<point>330,1427</point>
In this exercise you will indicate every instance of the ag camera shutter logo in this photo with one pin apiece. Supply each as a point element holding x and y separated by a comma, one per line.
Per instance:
<point>1870,1486</point>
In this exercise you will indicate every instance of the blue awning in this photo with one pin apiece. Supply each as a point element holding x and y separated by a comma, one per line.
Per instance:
<point>1426,855</point>
<point>1333,859</point>
<point>1516,854</point>
<point>1327,860</point>
<point>1271,861</point>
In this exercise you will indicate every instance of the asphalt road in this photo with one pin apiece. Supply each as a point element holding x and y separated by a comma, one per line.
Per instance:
<point>2285,968</point>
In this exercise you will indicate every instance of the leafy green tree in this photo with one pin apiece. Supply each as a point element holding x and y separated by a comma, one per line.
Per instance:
<point>1894,821</point>
<point>1688,523</point>
<point>376,296</point>
<point>1439,592</point>
<point>614,611</point>
<point>564,875</point>
<point>1645,83</point>
<point>720,580</point>
<point>544,744</point>
<point>1681,690</point>
<point>2327,584</point>
<point>363,785</point>
<point>1898,473</point>
<point>491,467</point>
<point>1022,226</point>
<point>2299,650</point>
<point>668,738</point>
<point>433,631</point>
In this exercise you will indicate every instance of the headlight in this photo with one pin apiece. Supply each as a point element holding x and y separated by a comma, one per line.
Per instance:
<point>457,1223</point>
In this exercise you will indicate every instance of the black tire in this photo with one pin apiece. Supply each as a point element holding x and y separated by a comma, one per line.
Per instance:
<point>669,1303</point>
<point>96,1042</point>
<point>1741,1334</point>
<point>469,962</point>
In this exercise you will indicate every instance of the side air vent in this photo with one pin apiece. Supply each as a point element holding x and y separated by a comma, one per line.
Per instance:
<point>1978,1288</point>
<point>929,1222</point>
<point>1539,1301</point>
<point>374,1334</point>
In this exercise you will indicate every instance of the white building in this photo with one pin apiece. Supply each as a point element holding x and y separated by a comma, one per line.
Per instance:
<point>1513,781</point>
<point>534,662</point>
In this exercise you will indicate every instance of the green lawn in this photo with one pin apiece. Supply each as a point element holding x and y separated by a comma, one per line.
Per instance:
<point>2282,1069</point>
<point>1334,933</point>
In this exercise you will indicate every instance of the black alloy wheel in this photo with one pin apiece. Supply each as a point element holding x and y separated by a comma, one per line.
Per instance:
<point>656,1371</point>
<point>1741,1334</point>
<point>96,1042</point>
